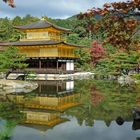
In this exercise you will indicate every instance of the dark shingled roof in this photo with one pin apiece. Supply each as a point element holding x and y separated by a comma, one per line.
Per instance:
<point>35,43</point>
<point>41,24</point>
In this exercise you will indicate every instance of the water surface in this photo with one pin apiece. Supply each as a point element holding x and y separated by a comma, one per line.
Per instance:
<point>71,110</point>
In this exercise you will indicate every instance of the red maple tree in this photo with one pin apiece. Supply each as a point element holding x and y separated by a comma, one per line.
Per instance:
<point>96,96</point>
<point>97,52</point>
<point>138,101</point>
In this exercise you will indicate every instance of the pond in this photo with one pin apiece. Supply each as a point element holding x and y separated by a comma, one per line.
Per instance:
<point>71,110</point>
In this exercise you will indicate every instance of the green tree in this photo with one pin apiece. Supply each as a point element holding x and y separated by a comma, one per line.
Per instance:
<point>9,112</point>
<point>118,63</point>
<point>11,60</point>
<point>7,130</point>
<point>6,29</point>
<point>17,21</point>
<point>73,38</point>
<point>84,62</point>
<point>28,19</point>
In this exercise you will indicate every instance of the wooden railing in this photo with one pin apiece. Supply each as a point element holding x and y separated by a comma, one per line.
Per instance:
<point>45,71</point>
<point>47,38</point>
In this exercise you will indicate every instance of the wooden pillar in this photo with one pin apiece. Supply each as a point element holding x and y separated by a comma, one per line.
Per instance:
<point>40,88</point>
<point>39,63</point>
<point>57,65</point>
<point>57,87</point>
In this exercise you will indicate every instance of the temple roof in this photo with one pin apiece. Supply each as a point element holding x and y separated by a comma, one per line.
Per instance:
<point>41,128</point>
<point>36,43</point>
<point>41,24</point>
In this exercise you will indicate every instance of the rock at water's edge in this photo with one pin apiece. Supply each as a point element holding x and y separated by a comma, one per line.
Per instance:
<point>15,86</point>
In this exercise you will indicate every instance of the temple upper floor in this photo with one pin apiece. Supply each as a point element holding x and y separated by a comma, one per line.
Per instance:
<point>43,30</point>
<point>44,35</point>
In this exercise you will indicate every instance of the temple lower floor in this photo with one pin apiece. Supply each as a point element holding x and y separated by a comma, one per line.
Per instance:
<point>50,65</point>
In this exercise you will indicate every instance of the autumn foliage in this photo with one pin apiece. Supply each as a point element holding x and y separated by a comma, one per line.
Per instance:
<point>138,101</point>
<point>10,3</point>
<point>119,26</point>
<point>96,96</point>
<point>119,22</point>
<point>97,52</point>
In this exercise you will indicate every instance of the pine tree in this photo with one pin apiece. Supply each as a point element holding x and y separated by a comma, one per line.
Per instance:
<point>11,60</point>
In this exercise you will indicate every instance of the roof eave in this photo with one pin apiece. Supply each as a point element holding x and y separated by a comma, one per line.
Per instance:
<point>58,28</point>
<point>49,43</point>
<point>74,45</point>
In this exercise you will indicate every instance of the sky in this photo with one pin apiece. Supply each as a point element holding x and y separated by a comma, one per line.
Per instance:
<point>52,8</point>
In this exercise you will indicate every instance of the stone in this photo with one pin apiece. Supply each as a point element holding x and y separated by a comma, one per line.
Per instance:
<point>126,80</point>
<point>121,80</point>
<point>15,86</point>
<point>1,86</point>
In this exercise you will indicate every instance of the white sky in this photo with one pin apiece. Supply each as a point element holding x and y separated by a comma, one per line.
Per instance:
<point>50,8</point>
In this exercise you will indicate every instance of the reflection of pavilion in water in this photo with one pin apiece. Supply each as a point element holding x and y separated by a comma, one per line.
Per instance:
<point>136,126</point>
<point>52,96</point>
<point>41,117</point>
<point>136,123</point>
<point>47,102</point>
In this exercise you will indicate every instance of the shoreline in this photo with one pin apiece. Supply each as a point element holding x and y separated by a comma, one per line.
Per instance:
<point>48,77</point>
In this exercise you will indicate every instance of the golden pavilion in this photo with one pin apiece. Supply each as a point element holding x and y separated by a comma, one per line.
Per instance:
<point>46,48</point>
